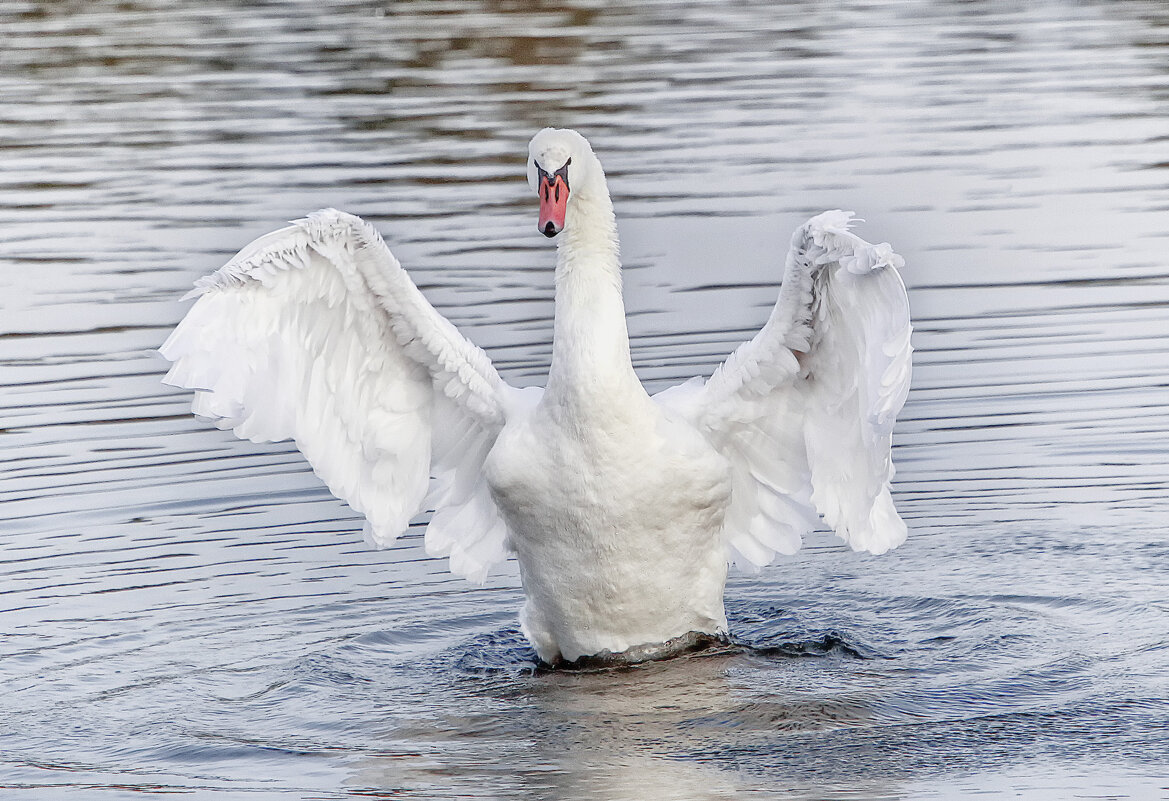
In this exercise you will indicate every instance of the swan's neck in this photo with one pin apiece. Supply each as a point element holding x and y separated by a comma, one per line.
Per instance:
<point>590,346</point>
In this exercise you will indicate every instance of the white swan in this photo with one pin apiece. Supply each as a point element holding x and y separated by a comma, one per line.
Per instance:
<point>622,509</point>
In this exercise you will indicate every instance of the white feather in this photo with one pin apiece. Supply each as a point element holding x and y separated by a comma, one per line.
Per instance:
<point>315,333</point>
<point>804,411</point>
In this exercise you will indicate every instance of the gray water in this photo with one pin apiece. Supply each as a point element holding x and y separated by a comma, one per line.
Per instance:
<point>182,612</point>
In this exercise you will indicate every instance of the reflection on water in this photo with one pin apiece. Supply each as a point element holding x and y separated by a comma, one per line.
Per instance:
<point>626,735</point>
<point>183,611</point>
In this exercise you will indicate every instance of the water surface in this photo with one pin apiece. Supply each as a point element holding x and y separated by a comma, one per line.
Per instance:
<point>184,612</point>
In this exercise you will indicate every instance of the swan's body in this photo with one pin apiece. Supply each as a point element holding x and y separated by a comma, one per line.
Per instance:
<point>622,509</point>
<point>616,510</point>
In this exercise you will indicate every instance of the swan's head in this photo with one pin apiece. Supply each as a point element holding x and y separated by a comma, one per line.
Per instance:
<point>560,163</point>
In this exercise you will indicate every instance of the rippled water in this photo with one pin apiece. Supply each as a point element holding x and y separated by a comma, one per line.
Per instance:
<point>184,612</point>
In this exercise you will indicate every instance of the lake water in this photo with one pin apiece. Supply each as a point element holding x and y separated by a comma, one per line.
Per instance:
<point>182,612</point>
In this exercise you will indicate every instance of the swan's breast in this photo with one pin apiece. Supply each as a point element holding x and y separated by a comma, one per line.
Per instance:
<point>548,474</point>
<point>617,530</point>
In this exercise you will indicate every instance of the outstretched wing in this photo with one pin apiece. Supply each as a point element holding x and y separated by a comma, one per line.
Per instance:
<point>315,333</point>
<point>804,411</point>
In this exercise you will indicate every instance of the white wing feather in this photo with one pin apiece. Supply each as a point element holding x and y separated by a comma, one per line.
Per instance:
<point>315,333</point>
<point>804,411</point>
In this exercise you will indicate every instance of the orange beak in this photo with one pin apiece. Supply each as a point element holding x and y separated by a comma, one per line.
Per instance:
<point>553,190</point>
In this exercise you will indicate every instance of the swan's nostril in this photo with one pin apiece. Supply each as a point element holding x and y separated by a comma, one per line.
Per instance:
<point>550,229</point>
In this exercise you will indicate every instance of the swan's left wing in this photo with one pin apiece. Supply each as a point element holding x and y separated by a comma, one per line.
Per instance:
<point>804,411</point>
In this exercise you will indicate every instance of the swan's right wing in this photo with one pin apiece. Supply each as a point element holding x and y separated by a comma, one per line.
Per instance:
<point>315,333</point>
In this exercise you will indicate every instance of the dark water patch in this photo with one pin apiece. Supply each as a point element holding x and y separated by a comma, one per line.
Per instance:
<point>827,644</point>
<point>770,632</point>
<point>497,652</point>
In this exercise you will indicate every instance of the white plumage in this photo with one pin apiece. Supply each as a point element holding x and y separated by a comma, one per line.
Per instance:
<point>623,510</point>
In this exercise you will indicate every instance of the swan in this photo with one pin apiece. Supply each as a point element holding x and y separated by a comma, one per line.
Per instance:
<point>622,509</point>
